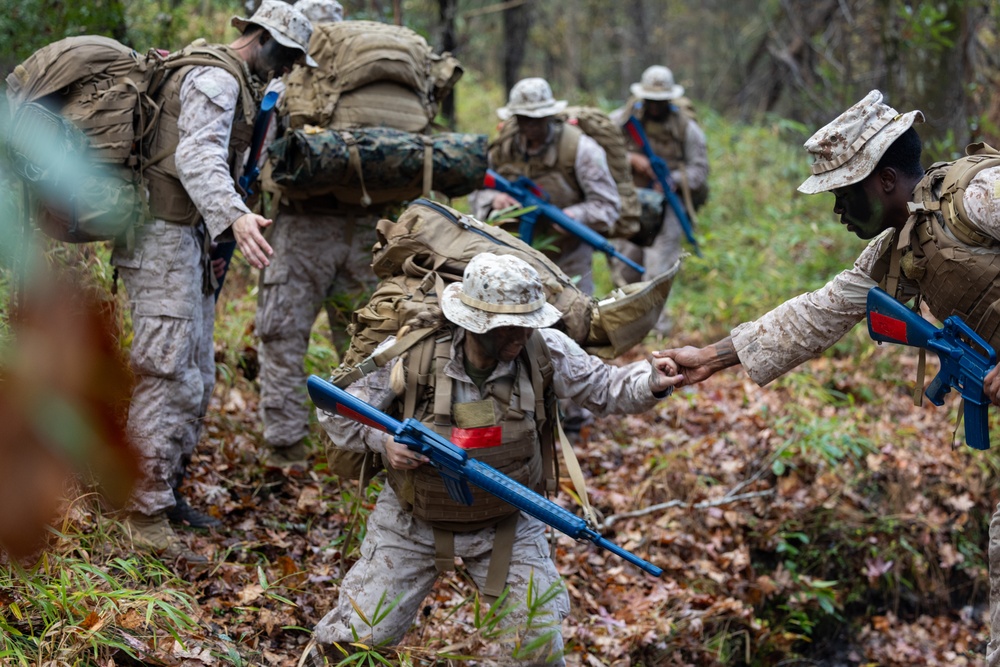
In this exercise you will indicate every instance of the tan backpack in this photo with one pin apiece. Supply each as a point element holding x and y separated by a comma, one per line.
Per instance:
<point>79,110</point>
<point>84,109</point>
<point>370,74</point>
<point>430,245</point>
<point>598,126</point>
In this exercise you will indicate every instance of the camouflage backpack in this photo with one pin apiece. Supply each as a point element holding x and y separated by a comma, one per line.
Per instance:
<point>430,245</point>
<point>598,126</point>
<point>370,74</point>
<point>84,110</point>
<point>358,123</point>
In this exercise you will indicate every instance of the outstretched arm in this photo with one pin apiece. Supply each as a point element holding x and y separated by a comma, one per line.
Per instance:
<point>698,364</point>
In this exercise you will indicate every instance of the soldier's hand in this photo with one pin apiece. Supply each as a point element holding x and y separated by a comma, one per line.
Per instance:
<point>640,165</point>
<point>992,385</point>
<point>664,375</point>
<point>698,364</point>
<point>402,457</point>
<point>502,200</point>
<point>247,230</point>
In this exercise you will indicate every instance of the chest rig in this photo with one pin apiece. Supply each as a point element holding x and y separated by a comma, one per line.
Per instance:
<point>168,200</point>
<point>553,170</point>
<point>954,264</point>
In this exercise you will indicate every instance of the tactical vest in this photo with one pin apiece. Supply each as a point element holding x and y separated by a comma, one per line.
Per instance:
<point>955,265</point>
<point>665,138</point>
<point>168,200</point>
<point>508,430</point>
<point>553,170</point>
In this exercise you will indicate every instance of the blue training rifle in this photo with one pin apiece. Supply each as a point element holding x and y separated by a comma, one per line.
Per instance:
<point>457,469</point>
<point>525,191</point>
<point>963,367</point>
<point>634,127</point>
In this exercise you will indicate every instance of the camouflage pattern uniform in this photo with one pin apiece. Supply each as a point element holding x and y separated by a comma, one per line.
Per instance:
<point>686,154</point>
<point>802,328</point>
<point>398,550</point>
<point>173,314</point>
<point>600,205</point>
<point>322,259</point>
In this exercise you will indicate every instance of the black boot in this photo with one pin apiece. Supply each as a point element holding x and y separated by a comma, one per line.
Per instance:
<point>182,513</point>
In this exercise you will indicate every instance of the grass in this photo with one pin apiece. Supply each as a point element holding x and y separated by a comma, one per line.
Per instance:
<point>87,599</point>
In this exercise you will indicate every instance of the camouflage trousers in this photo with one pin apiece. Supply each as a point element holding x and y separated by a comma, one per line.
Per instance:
<point>320,261</point>
<point>993,555</point>
<point>397,558</point>
<point>172,355</point>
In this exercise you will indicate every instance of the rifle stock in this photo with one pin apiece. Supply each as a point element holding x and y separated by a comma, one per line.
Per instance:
<point>529,194</point>
<point>457,469</point>
<point>634,127</point>
<point>963,367</point>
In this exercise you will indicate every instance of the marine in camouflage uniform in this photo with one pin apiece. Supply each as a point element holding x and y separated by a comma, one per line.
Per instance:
<point>584,189</point>
<point>495,315</point>
<point>209,112</point>
<point>680,142</point>
<point>322,260</point>
<point>869,158</point>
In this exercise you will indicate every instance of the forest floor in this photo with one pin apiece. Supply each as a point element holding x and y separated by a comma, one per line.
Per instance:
<point>822,521</point>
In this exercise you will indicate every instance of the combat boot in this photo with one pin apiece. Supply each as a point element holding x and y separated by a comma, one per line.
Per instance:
<point>289,460</point>
<point>153,533</point>
<point>182,513</point>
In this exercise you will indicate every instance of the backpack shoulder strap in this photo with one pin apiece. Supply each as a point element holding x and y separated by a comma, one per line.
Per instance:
<point>957,178</point>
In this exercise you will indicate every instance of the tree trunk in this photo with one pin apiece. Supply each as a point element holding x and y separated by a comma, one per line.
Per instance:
<point>516,25</point>
<point>448,9</point>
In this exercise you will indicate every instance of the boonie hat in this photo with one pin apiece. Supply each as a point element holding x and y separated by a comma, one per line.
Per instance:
<point>847,149</point>
<point>287,25</point>
<point>657,83</point>
<point>531,97</point>
<point>498,291</point>
<point>321,11</point>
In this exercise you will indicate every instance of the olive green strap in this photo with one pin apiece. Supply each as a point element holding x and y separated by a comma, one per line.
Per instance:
<point>503,550</point>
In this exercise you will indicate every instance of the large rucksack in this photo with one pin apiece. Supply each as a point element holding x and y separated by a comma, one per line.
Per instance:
<point>430,245</point>
<point>84,112</point>
<point>359,123</point>
<point>598,126</point>
<point>370,74</point>
<point>79,111</point>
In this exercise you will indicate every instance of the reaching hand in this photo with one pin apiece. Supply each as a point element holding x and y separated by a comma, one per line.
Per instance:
<point>252,244</point>
<point>992,385</point>
<point>698,364</point>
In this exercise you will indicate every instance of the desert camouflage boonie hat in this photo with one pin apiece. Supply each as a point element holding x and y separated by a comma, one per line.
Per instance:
<point>847,149</point>
<point>321,11</point>
<point>498,291</point>
<point>532,98</point>
<point>287,25</point>
<point>657,83</point>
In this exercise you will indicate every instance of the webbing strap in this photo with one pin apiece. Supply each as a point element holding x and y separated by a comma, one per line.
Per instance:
<point>576,474</point>
<point>354,163</point>
<point>428,163</point>
<point>442,383</point>
<point>444,550</point>
<point>686,193</point>
<point>500,557</point>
